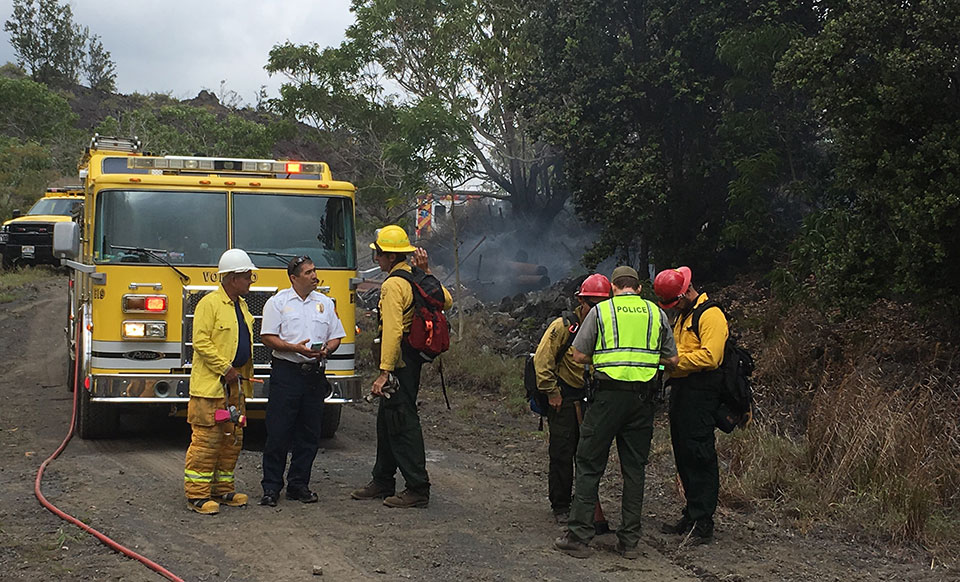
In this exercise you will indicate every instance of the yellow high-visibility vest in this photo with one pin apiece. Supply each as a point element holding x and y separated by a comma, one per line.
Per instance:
<point>628,338</point>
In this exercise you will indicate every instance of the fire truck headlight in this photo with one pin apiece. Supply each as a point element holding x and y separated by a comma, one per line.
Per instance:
<point>134,329</point>
<point>144,329</point>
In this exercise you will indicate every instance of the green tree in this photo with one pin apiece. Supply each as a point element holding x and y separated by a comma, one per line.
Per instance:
<point>31,111</point>
<point>26,168</point>
<point>883,78</point>
<point>634,93</point>
<point>46,41</point>
<point>768,137</point>
<point>457,53</point>
<point>99,68</point>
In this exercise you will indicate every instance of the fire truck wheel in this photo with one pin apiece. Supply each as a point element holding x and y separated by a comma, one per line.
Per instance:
<point>330,421</point>
<point>96,421</point>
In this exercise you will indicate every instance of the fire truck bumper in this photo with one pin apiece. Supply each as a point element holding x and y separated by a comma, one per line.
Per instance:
<point>175,388</point>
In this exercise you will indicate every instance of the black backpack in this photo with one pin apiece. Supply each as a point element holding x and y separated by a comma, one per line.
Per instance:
<point>429,334</point>
<point>536,398</point>
<point>736,392</point>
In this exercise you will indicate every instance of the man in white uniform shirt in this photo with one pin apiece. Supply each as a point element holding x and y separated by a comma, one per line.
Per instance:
<point>301,326</point>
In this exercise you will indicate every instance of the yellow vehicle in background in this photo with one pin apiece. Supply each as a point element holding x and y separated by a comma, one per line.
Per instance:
<point>145,250</point>
<point>27,239</point>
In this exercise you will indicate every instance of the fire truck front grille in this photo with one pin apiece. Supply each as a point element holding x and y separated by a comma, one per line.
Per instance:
<point>255,301</point>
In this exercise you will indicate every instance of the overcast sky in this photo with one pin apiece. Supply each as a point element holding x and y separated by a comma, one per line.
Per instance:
<point>180,47</point>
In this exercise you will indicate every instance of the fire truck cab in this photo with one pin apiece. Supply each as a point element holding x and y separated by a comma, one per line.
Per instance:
<point>145,250</point>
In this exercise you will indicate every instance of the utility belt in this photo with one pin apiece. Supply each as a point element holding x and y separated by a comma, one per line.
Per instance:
<point>604,384</point>
<point>312,372</point>
<point>646,389</point>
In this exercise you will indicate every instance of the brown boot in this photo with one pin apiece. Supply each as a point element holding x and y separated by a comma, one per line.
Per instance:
<point>407,499</point>
<point>372,491</point>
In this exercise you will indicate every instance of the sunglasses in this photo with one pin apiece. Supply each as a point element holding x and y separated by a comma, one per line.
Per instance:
<point>295,263</point>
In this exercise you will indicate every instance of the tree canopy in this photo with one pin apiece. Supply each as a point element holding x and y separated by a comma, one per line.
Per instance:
<point>404,58</point>
<point>883,79</point>
<point>54,50</point>
<point>674,139</point>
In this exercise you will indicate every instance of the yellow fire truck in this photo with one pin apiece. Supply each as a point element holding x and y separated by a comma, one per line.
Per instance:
<point>145,250</point>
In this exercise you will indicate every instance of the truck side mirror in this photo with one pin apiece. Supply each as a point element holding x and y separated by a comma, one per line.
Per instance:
<point>66,240</point>
<point>17,213</point>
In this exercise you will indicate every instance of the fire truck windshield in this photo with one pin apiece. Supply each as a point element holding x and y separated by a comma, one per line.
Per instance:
<point>293,225</point>
<point>191,227</point>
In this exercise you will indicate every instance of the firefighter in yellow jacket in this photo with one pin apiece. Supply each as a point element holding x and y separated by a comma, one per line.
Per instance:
<point>562,381</point>
<point>399,435</point>
<point>222,366</point>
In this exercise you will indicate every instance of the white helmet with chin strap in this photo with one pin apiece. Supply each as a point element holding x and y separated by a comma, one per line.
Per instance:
<point>235,261</point>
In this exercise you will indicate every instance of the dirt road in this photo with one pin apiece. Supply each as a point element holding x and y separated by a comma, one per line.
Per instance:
<point>488,517</point>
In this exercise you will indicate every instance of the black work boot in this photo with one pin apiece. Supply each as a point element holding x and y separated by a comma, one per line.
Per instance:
<point>269,498</point>
<point>679,528</point>
<point>702,532</point>
<point>302,494</point>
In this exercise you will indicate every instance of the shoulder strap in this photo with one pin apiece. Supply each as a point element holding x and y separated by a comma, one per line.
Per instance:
<point>573,326</point>
<point>695,321</point>
<point>408,277</point>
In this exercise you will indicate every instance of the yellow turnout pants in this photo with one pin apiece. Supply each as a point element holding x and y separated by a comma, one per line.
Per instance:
<point>213,451</point>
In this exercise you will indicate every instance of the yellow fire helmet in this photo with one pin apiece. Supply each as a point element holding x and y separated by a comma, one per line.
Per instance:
<point>392,239</point>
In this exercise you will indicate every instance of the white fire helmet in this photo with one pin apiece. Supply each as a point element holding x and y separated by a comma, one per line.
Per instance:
<point>235,261</point>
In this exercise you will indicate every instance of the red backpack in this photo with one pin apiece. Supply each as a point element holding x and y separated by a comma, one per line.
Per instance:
<point>430,332</point>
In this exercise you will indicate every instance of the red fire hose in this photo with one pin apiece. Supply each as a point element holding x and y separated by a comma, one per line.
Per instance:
<point>56,511</point>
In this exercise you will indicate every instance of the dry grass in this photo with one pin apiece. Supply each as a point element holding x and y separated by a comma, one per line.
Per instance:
<point>858,424</point>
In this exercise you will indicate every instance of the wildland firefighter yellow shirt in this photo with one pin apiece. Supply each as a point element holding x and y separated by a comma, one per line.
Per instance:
<point>703,354</point>
<point>549,370</point>
<point>396,315</point>
<point>215,339</point>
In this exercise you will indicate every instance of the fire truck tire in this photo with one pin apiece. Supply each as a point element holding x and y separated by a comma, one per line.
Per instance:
<point>96,421</point>
<point>331,420</point>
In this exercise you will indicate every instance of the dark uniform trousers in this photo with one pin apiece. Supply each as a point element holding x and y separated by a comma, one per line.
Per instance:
<point>399,435</point>
<point>694,401</point>
<point>626,415</point>
<point>564,435</point>
<point>294,413</point>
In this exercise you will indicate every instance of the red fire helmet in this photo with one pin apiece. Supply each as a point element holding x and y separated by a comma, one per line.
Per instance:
<point>670,284</point>
<point>596,285</point>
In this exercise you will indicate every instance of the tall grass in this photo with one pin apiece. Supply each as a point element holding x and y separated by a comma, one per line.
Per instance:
<point>875,442</point>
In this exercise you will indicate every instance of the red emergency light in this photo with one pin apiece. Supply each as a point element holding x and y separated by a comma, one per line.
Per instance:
<point>145,303</point>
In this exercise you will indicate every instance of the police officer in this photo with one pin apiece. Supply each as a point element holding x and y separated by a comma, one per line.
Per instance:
<point>562,381</point>
<point>399,435</point>
<point>694,400</point>
<point>302,328</point>
<point>627,339</point>
<point>222,362</point>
